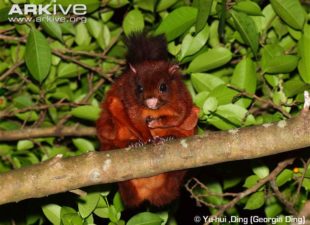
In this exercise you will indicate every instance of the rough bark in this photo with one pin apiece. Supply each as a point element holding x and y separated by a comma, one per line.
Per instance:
<point>55,131</point>
<point>63,174</point>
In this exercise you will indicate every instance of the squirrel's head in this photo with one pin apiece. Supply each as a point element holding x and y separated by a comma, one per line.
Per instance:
<point>155,83</point>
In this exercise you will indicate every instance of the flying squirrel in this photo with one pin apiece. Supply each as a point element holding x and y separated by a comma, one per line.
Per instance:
<point>147,103</point>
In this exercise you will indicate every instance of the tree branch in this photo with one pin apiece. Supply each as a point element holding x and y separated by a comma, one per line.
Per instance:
<point>29,133</point>
<point>253,189</point>
<point>60,175</point>
<point>287,204</point>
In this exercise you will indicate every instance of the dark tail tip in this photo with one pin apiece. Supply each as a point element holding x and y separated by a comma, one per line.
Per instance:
<point>145,48</point>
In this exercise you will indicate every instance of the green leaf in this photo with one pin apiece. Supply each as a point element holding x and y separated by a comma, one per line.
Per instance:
<point>231,182</point>
<point>209,105</point>
<point>24,145</point>
<point>22,101</point>
<point>279,27</point>
<point>9,125</point>
<point>94,27</point>
<point>102,212</point>
<point>251,181</point>
<point>285,176</point>
<point>173,49</point>
<point>37,49</point>
<point>294,86</point>
<point>304,52</point>
<point>213,186</point>
<point>248,7</point>
<point>68,70</point>
<point>82,37</point>
<point>66,210</point>
<point>83,145</point>
<point>67,28</point>
<point>290,11</point>
<point>214,39</point>
<point>106,16</point>
<point>117,3</point>
<point>191,45</point>
<point>281,64</point>
<point>306,183</point>
<point>244,77</point>
<point>177,22</point>
<point>4,13</point>
<point>146,5</point>
<point>278,97</point>
<point>255,201</point>
<point>204,9</point>
<point>87,112</point>
<point>88,203</point>
<point>247,29</point>
<point>274,81</point>
<point>261,170</point>
<point>104,37</point>
<point>52,213</point>
<point>102,200</point>
<point>3,67</point>
<point>270,52</point>
<point>230,116</point>
<point>89,219</point>
<point>273,210</point>
<point>164,4</point>
<point>223,94</point>
<point>51,27</point>
<point>117,202</point>
<point>145,218</point>
<point>211,59</point>
<point>28,116</point>
<point>205,82</point>
<point>133,22</point>
<point>114,215</point>
<point>5,149</point>
<point>70,217</point>
<point>200,98</point>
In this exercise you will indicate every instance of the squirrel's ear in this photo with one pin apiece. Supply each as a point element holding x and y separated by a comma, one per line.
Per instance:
<point>173,68</point>
<point>132,69</point>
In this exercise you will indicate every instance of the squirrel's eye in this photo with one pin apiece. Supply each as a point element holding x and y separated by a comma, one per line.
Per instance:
<point>139,88</point>
<point>163,87</point>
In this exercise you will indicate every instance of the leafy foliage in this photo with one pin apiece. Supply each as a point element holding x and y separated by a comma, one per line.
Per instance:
<point>248,62</point>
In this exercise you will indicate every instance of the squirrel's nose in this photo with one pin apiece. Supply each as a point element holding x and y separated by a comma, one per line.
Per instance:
<point>151,103</point>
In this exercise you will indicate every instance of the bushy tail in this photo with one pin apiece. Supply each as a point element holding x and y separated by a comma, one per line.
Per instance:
<point>143,48</point>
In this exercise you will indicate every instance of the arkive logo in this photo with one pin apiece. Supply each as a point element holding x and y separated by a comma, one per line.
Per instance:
<point>48,9</point>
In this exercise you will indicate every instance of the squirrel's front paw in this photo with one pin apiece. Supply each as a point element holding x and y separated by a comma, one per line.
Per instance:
<point>161,140</point>
<point>136,144</point>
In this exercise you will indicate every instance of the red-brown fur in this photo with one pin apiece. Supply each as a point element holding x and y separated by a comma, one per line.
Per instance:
<point>125,119</point>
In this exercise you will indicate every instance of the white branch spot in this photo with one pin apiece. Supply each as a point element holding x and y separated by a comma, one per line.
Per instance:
<point>266,125</point>
<point>108,155</point>
<point>106,164</point>
<point>94,175</point>
<point>307,100</point>
<point>184,143</point>
<point>282,124</point>
<point>234,131</point>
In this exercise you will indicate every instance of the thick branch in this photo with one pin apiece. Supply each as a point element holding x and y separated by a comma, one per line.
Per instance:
<point>55,131</point>
<point>60,175</point>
